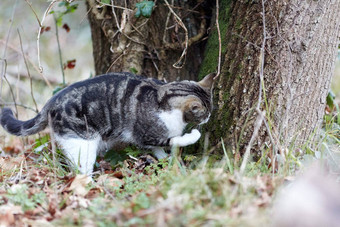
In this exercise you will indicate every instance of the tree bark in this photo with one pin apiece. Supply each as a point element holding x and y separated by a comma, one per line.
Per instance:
<point>149,46</point>
<point>301,39</point>
<point>298,38</point>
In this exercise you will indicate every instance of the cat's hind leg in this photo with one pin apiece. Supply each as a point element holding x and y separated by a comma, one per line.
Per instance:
<point>80,152</point>
<point>159,153</point>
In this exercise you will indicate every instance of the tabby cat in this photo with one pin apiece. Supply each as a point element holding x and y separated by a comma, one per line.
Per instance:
<point>89,117</point>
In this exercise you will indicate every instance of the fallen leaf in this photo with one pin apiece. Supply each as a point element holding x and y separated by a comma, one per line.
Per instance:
<point>112,181</point>
<point>37,223</point>
<point>93,193</point>
<point>7,214</point>
<point>77,201</point>
<point>78,185</point>
<point>9,163</point>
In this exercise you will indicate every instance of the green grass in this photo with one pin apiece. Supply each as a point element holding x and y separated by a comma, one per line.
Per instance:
<point>36,187</point>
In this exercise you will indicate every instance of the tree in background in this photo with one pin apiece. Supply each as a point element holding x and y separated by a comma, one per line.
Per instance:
<point>277,59</point>
<point>164,41</point>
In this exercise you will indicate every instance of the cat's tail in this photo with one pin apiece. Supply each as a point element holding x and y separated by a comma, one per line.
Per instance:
<point>22,128</point>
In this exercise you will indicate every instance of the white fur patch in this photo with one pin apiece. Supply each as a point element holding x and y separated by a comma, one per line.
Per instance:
<point>173,120</point>
<point>81,153</point>
<point>160,153</point>
<point>186,139</point>
<point>205,121</point>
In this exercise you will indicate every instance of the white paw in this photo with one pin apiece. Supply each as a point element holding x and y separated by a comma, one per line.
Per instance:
<point>186,139</point>
<point>195,135</point>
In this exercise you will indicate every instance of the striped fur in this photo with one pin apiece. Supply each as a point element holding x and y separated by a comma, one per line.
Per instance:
<point>118,108</point>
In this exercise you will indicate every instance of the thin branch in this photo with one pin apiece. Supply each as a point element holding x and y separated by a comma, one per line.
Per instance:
<point>261,114</point>
<point>219,40</point>
<point>48,82</point>
<point>13,96</point>
<point>179,63</point>
<point>19,104</point>
<point>192,40</point>
<point>59,49</point>
<point>114,62</point>
<point>166,23</point>
<point>39,32</point>
<point>258,123</point>
<point>114,6</point>
<point>116,19</point>
<point>3,60</point>
<point>35,14</point>
<point>28,71</point>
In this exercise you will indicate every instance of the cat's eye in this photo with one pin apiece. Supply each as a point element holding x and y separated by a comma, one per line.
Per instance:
<point>195,107</point>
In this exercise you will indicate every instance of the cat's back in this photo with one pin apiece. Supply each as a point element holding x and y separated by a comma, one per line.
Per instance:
<point>112,85</point>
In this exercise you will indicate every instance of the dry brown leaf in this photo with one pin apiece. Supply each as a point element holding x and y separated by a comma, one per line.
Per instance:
<point>10,163</point>
<point>93,193</point>
<point>37,223</point>
<point>78,185</point>
<point>110,180</point>
<point>15,147</point>
<point>78,202</point>
<point>7,214</point>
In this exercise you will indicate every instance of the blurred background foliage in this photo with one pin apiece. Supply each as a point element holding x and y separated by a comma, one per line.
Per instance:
<point>74,39</point>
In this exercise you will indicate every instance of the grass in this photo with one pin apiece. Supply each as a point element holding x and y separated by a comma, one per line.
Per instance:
<point>35,190</point>
<point>39,189</point>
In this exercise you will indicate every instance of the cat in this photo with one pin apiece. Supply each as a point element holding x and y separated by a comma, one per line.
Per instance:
<point>89,117</point>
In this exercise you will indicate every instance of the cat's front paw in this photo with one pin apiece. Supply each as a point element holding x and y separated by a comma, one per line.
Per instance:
<point>195,135</point>
<point>186,139</point>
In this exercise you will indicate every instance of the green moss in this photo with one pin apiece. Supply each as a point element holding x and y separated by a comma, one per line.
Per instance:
<point>238,25</point>
<point>210,61</point>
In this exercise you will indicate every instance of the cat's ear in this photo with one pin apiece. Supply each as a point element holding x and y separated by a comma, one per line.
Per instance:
<point>207,81</point>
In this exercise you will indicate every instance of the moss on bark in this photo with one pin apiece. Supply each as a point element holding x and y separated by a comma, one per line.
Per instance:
<point>210,61</point>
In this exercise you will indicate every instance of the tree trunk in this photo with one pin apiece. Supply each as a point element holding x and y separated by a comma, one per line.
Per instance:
<point>301,39</point>
<point>149,46</point>
<point>295,40</point>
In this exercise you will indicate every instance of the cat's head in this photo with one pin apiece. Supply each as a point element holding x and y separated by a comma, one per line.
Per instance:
<point>197,106</point>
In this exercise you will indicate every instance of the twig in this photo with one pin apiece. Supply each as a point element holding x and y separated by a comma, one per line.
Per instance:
<point>178,64</point>
<point>28,71</point>
<point>261,114</point>
<point>13,96</point>
<point>289,76</point>
<point>219,40</point>
<point>19,104</point>
<point>166,23</point>
<point>4,62</point>
<point>258,123</point>
<point>113,6</point>
<point>116,19</point>
<point>114,62</point>
<point>35,14</point>
<point>32,63</point>
<point>39,33</point>
<point>59,49</point>
<point>192,40</point>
